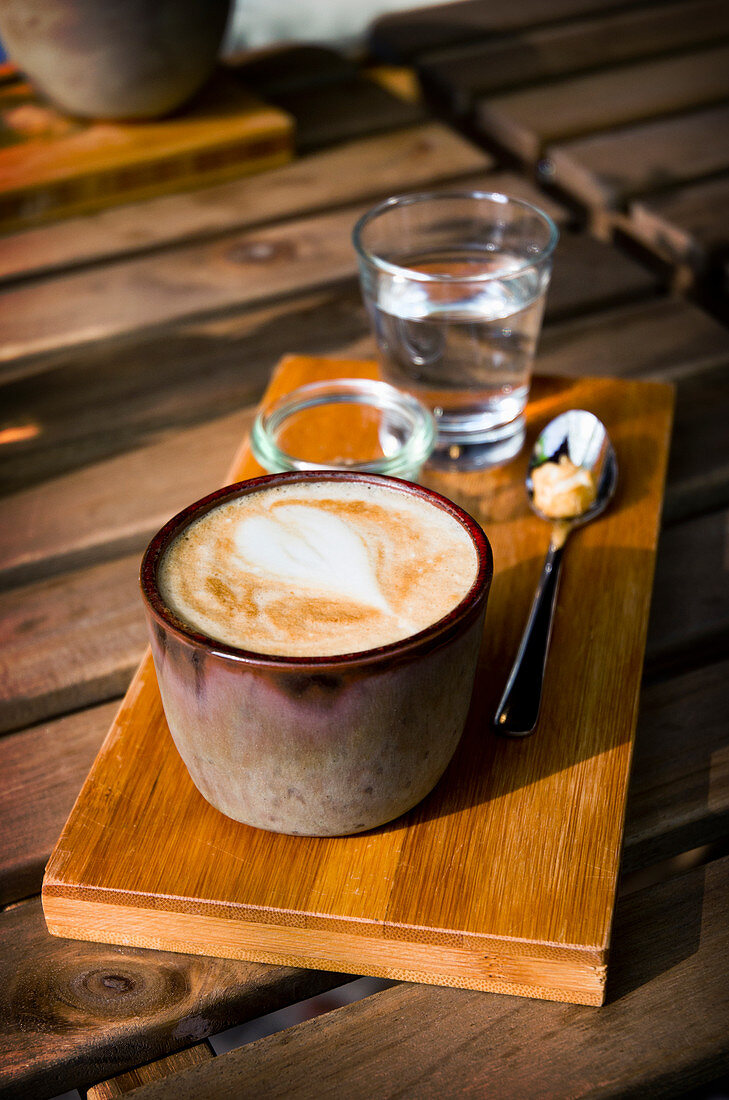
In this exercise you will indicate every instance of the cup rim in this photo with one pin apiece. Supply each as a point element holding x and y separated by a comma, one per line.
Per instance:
<point>414,197</point>
<point>430,637</point>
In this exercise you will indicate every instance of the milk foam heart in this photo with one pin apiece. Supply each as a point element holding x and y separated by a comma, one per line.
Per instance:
<point>318,568</point>
<point>312,547</point>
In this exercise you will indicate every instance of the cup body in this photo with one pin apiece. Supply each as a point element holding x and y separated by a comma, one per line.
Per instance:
<point>318,746</point>
<point>455,285</point>
<point>128,59</point>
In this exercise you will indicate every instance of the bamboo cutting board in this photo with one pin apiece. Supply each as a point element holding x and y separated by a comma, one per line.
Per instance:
<point>504,878</point>
<point>54,166</point>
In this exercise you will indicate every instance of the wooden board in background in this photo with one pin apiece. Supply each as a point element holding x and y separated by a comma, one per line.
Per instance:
<point>371,167</point>
<point>689,227</point>
<point>399,37</point>
<point>54,166</point>
<point>529,119</point>
<point>253,266</point>
<point>606,170</point>
<point>504,878</point>
<point>456,78</point>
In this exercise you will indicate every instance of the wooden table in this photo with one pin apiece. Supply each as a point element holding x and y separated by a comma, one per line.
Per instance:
<point>622,108</point>
<point>135,343</point>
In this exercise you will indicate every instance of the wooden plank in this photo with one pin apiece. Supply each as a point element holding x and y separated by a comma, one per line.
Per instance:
<point>587,277</point>
<point>50,762</point>
<point>350,109</point>
<point>152,1071</point>
<point>43,769</point>
<point>690,614</point>
<point>456,78</point>
<point>202,371</point>
<point>204,279</point>
<point>678,797</point>
<point>111,506</point>
<point>606,170</point>
<point>400,37</point>
<point>328,96</point>
<point>662,339</point>
<point>52,166</point>
<point>688,226</point>
<point>699,464</point>
<point>689,623</point>
<point>670,943</point>
<point>73,1014</point>
<point>527,121</point>
<point>56,655</point>
<point>289,67</point>
<point>374,928</point>
<point>679,790</point>
<point>364,168</point>
<point>242,269</point>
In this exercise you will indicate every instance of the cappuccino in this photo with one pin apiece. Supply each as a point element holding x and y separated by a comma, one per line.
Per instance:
<point>316,569</point>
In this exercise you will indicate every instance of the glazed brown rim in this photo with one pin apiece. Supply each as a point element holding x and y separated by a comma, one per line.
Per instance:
<point>430,637</point>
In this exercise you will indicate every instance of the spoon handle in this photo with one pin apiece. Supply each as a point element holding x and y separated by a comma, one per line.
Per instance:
<point>519,707</point>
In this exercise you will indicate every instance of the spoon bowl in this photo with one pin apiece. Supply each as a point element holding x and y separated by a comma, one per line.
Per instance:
<point>571,479</point>
<point>583,439</point>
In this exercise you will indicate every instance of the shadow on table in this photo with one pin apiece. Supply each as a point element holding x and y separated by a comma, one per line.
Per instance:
<point>661,927</point>
<point>585,712</point>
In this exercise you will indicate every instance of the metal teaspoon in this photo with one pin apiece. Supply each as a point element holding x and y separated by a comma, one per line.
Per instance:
<point>568,492</point>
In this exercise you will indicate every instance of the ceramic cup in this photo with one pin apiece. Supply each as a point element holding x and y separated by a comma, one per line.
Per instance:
<point>317,746</point>
<point>128,59</point>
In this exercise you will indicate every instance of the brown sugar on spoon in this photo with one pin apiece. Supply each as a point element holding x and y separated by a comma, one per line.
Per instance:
<point>562,489</point>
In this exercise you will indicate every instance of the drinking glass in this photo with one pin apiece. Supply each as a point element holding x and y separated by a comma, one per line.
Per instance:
<point>455,283</point>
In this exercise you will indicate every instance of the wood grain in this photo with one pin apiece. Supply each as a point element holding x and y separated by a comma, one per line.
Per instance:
<point>96,517</point>
<point>548,941</point>
<point>660,339</point>
<point>401,37</point>
<point>687,226</point>
<point>411,1041</point>
<point>352,108</point>
<point>700,451</point>
<point>152,1071</point>
<point>198,376</point>
<point>527,121</point>
<point>112,506</point>
<point>457,77</point>
<point>679,791</point>
<point>690,624</point>
<point>243,269</point>
<point>52,166</point>
<point>43,769</point>
<point>604,171</point>
<point>52,660</point>
<point>73,1014</point>
<point>686,619</point>
<point>678,797</point>
<point>363,168</point>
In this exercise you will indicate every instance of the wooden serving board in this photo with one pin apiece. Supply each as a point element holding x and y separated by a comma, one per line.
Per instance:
<point>53,166</point>
<point>504,878</point>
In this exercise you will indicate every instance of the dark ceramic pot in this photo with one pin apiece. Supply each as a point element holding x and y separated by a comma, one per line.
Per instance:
<point>317,746</point>
<point>114,58</point>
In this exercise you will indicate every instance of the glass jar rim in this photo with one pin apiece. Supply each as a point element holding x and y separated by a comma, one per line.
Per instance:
<point>409,456</point>
<point>416,197</point>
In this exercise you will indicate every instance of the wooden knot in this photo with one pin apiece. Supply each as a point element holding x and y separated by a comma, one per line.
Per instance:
<point>80,990</point>
<point>117,983</point>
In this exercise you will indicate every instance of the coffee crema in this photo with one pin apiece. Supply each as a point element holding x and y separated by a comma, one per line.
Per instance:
<point>318,569</point>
